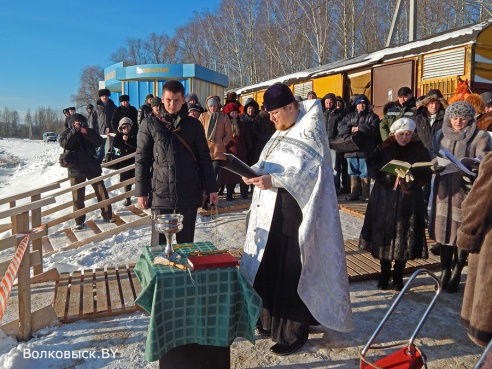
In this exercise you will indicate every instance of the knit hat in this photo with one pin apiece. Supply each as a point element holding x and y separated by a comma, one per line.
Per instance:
<point>103,92</point>
<point>459,109</point>
<point>402,124</point>
<point>211,101</point>
<point>191,96</point>
<point>230,107</point>
<point>156,101</point>
<point>195,107</point>
<point>361,99</point>
<point>149,96</point>
<point>330,96</point>
<point>124,98</point>
<point>476,101</point>
<point>404,91</point>
<point>277,96</point>
<point>124,121</point>
<point>487,98</point>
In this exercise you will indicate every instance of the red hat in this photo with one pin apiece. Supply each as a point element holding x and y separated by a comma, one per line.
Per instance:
<point>230,107</point>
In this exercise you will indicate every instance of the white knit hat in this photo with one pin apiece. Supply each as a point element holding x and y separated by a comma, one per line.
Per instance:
<point>402,124</point>
<point>125,120</point>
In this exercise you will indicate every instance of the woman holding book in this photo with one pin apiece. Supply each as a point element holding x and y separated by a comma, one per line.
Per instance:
<point>394,225</point>
<point>462,138</point>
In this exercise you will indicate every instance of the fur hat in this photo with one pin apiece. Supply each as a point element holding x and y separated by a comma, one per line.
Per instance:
<point>103,92</point>
<point>404,91</point>
<point>460,109</point>
<point>230,107</point>
<point>156,101</point>
<point>487,98</point>
<point>431,96</point>
<point>123,121</point>
<point>277,96</point>
<point>124,98</point>
<point>477,102</point>
<point>402,124</point>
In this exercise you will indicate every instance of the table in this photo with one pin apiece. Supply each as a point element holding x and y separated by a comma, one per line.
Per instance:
<point>219,307</point>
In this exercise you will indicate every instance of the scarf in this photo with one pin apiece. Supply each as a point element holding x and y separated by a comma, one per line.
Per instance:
<point>212,126</point>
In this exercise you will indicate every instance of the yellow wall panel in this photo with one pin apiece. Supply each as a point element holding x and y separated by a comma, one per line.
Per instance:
<point>324,85</point>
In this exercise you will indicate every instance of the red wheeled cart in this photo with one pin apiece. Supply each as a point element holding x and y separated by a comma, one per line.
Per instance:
<point>408,357</point>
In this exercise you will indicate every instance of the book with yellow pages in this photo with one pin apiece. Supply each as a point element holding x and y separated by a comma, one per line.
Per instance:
<point>405,166</point>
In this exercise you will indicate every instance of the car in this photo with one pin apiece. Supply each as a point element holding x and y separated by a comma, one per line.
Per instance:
<point>49,136</point>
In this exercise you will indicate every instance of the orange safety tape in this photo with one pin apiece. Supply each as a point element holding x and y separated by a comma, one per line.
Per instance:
<point>8,279</point>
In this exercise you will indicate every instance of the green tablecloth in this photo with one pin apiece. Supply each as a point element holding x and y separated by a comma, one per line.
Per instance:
<point>218,308</point>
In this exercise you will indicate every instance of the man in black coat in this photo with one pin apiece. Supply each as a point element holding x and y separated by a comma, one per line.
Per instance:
<point>122,111</point>
<point>84,141</point>
<point>173,164</point>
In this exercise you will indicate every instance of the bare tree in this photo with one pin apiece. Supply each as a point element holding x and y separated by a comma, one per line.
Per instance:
<point>89,85</point>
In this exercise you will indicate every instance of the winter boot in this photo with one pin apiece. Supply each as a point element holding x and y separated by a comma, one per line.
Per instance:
<point>436,249</point>
<point>354,189</point>
<point>385,275</point>
<point>454,282</point>
<point>398,275</point>
<point>366,189</point>
<point>446,264</point>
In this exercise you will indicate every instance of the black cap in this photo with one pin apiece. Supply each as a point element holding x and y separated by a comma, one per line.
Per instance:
<point>71,108</point>
<point>79,118</point>
<point>277,96</point>
<point>404,91</point>
<point>124,98</point>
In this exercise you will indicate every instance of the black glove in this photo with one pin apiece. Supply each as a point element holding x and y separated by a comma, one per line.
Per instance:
<point>436,168</point>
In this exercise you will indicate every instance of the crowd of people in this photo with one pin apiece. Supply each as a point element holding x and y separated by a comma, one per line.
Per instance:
<point>307,152</point>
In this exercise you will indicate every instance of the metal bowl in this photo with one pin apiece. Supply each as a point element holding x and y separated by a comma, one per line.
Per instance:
<point>168,223</point>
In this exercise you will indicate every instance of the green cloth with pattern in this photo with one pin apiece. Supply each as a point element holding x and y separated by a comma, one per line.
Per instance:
<point>219,307</point>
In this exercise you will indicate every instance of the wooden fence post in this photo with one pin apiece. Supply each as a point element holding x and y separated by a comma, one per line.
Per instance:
<point>37,244</point>
<point>23,276</point>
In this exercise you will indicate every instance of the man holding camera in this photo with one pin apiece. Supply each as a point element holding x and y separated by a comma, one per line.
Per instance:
<point>84,141</point>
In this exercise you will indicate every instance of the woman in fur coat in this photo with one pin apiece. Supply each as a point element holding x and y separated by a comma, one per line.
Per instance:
<point>394,225</point>
<point>475,237</point>
<point>459,135</point>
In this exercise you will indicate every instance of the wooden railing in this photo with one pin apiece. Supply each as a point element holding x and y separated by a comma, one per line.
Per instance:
<point>27,217</point>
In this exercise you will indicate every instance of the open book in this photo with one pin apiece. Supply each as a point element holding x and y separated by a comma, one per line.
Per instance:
<point>405,166</point>
<point>453,164</point>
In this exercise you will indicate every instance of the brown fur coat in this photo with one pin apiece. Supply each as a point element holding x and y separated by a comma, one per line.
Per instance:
<point>475,236</point>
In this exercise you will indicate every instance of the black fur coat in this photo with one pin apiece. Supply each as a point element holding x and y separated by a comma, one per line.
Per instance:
<point>394,224</point>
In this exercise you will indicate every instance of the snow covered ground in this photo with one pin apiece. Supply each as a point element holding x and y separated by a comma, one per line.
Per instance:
<point>118,342</point>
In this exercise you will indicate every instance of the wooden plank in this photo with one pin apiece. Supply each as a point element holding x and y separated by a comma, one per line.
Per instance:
<point>101,290</point>
<point>44,317</point>
<point>70,235</point>
<point>61,296</point>
<point>29,193</point>
<point>47,246</point>
<point>49,275</point>
<point>109,232</point>
<point>93,227</point>
<point>224,209</point>
<point>88,306</point>
<point>136,210</point>
<point>136,287</point>
<point>26,208</point>
<point>114,290</point>
<point>126,288</point>
<point>23,279</point>
<point>119,221</point>
<point>74,303</point>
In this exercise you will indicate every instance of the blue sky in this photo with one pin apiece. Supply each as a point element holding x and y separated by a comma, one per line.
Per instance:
<point>44,45</point>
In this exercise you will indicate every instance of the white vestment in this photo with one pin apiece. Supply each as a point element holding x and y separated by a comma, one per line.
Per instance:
<point>301,164</point>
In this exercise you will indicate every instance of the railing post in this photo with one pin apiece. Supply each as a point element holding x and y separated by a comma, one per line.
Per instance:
<point>37,245</point>
<point>21,223</point>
